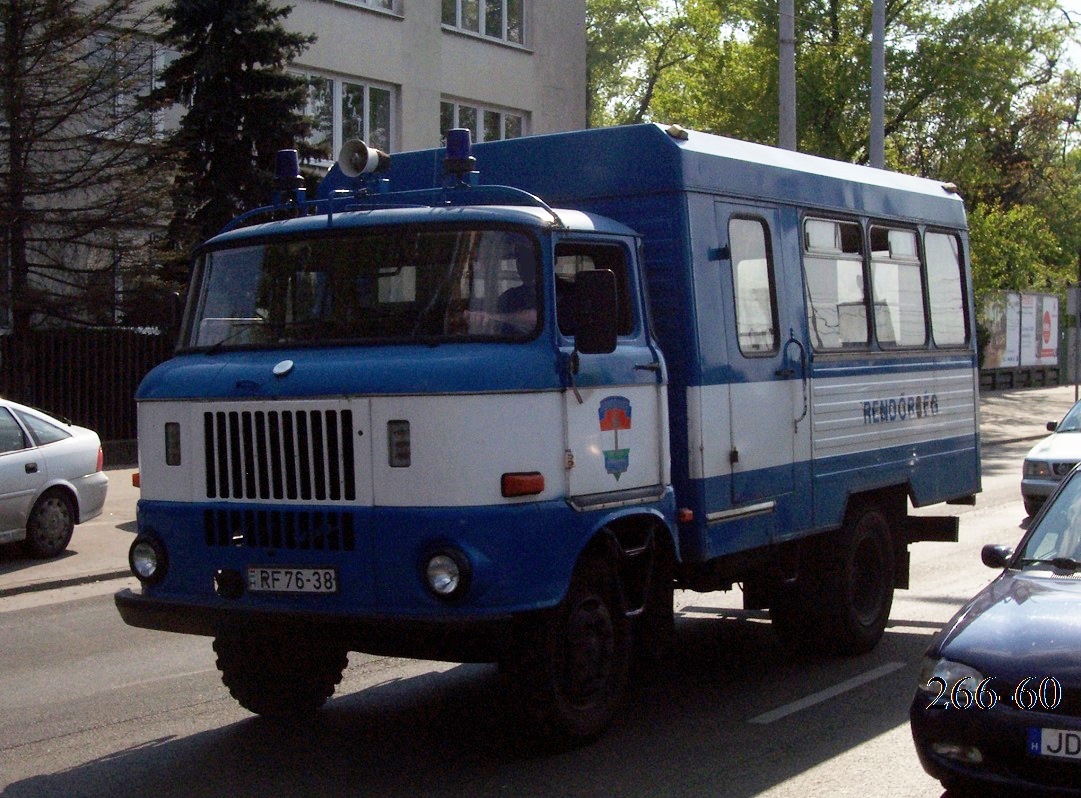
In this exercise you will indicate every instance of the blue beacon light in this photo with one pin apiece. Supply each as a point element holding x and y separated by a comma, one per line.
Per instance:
<point>459,160</point>
<point>287,176</point>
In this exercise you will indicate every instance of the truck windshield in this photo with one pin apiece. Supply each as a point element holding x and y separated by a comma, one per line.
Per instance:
<point>368,286</point>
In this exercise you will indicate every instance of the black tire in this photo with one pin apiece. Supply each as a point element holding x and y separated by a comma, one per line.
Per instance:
<point>50,525</point>
<point>841,603</point>
<point>570,665</point>
<point>1032,506</point>
<point>857,582</point>
<point>277,677</point>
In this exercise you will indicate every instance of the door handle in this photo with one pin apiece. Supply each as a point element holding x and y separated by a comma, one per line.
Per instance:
<point>31,468</point>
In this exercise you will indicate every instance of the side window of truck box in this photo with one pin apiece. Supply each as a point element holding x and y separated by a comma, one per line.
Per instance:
<point>836,289</point>
<point>753,286</point>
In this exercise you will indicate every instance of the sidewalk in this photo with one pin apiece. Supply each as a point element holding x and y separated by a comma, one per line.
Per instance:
<point>99,548</point>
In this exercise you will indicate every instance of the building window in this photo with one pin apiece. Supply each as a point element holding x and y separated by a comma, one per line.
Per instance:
<point>389,5</point>
<point>348,109</point>
<point>124,69</point>
<point>485,124</point>
<point>497,19</point>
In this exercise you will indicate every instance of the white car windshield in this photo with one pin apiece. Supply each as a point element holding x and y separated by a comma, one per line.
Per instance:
<point>1056,540</point>
<point>1072,420</point>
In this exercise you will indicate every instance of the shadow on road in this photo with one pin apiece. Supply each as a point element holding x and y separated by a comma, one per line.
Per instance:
<point>689,729</point>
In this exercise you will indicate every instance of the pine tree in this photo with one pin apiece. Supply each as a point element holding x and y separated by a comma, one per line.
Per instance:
<point>242,106</point>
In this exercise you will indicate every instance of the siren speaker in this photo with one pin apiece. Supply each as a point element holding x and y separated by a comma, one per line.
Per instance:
<point>357,158</point>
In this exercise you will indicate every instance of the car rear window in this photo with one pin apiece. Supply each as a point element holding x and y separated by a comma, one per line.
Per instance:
<point>42,430</point>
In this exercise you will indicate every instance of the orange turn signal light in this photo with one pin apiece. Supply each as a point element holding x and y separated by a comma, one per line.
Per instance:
<point>525,483</point>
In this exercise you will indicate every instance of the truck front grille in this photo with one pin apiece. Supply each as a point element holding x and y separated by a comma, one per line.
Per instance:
<point>300,455</point>
<point>273,529</point>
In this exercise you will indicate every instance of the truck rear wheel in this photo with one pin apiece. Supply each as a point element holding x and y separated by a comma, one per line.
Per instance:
<point>845,591</point>
<point>857,582</point>
<point>279,677</point>
<point>571,664</point>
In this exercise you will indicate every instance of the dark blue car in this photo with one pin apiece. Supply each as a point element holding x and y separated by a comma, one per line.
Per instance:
<point>998,706</point>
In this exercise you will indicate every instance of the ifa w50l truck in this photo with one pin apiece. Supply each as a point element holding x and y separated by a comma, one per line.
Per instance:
<point>496,404</point>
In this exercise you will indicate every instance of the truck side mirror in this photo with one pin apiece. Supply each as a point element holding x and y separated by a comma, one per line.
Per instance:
<point>596,312</point>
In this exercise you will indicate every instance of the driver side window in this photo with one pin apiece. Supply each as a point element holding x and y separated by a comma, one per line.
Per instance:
<point>573,258</point>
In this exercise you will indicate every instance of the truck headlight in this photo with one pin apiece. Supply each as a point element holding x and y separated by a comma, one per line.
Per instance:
<point>148,560</point>
<point>447,574</point>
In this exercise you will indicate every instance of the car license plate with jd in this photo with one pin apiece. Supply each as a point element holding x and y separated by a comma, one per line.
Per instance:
<point>1059,743</point>
<point>281,579</point>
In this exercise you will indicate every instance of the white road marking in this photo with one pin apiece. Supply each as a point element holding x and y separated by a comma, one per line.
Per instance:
<point>827,694</point>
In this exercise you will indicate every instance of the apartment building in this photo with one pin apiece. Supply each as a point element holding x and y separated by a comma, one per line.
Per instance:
<point>398,73</point>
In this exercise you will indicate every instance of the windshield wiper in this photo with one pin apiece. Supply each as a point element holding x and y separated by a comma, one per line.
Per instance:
<point>1059,563</point>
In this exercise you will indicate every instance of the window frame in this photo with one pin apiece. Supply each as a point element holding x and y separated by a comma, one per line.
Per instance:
<point>771,278</point>
<point>962,282</point>
<point>628,325</point>
<point>478,128</point>
<point>899,261</point>
<point>837,256</point>
<point>930,308</point>
<point>458,20</point>
<point>337,96</point>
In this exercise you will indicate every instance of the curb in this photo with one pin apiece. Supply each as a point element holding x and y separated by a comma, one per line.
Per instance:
<point>55,584</point>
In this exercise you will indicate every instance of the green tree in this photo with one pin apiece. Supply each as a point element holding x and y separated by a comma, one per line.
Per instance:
<point>632,45</point>
<point>241,107</point>
<point>78,197</point>
<point>1014,248</point>
<point>977,94</point>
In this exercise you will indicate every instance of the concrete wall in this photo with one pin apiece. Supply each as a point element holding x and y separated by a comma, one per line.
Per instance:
<point>410,50</point>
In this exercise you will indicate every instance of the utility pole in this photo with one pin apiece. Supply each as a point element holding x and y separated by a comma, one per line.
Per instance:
<point>878,84</point>
<point>786,83</point>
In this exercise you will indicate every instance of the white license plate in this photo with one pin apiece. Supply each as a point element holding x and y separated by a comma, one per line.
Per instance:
<point>277,579</point>
<point>1060,743</point>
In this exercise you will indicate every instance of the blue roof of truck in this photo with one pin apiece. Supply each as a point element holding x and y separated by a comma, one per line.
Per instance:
<point>569,168</point>
<point>573,220</point>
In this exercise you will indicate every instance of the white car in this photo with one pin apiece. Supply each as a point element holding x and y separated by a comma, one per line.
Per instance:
<point>1051,459</point>
<point>51,479</point>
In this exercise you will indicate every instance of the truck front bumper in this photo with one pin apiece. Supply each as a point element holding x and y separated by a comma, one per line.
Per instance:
<point>458,640</point>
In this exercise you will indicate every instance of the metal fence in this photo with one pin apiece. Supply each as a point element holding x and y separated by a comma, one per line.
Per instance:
<point>87,376</point>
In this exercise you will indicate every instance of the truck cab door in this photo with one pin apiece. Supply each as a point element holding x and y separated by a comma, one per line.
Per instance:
<point>614,406</point>
<point>768,396</point>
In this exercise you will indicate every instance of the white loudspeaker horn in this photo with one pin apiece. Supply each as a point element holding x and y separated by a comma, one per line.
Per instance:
<point>357,158</point>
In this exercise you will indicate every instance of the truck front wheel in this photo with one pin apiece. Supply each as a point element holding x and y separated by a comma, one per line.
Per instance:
<point>279,677</point>
<point>570,665</point>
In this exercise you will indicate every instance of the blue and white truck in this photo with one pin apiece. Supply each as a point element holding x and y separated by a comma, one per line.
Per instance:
<point>496,404</point>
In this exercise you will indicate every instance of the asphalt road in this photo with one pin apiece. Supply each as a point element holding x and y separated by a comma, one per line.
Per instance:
<point>90,707</point>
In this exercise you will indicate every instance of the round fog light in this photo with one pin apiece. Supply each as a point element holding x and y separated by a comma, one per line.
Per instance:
<point>147,559</point>
<point>447,574</point>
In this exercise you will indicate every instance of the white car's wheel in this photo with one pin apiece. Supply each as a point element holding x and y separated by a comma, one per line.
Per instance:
<point>49,528</point>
